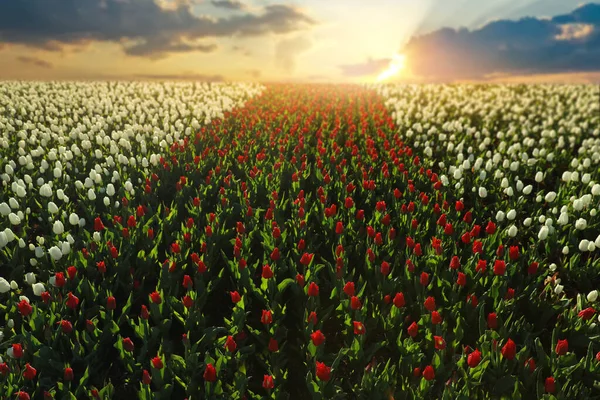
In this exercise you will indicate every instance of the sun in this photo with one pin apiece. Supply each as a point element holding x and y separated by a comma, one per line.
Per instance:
<point>396,66</point>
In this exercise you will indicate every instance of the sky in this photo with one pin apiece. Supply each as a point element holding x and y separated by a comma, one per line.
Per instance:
<point>301,40</point>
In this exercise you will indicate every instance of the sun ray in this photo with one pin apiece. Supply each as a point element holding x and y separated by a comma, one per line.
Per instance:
<point>396,66</point>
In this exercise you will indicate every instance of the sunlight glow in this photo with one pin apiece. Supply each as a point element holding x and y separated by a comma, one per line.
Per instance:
<point>396,66</point>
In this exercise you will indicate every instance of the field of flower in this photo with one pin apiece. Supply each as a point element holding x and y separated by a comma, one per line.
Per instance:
<point>236,241</point>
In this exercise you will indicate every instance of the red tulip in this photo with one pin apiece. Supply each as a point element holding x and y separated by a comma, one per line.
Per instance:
<point>413,330</point>
<point>549,385</point>
<point>562,347</point>
<point>439,342</point>
<point>499,267</point>
<point>235,297</point>
<point>266,317</point>
<point>429,373</point>
<point>424,280</point>
<point>155,297</point>
<point>313,289</point>
<point>323,372</point>
<point>273,345</point>
<point>474,359</point>
<point>399,300</point>
<point>513,252</point>
<point>430,303</point>
<point>230,344</point>
<point>111,303</point>
<point>29,372</point>
<point>509,350</point>
<point>317,337</point>
<point>210,373</point>
<point>128,344</point>
<point>359,328</point>
<point>349,289</point>
<point>72,301</point>
<point>24,308</point>
<point>268,382</point>
<point>461,280</point>
<point>68,374</point>
<point>157,362</point>
<point>587,314</point>
<point>267,272</point>
<point>492,321</point>
<point>17,350</point>
<point>66,326</point>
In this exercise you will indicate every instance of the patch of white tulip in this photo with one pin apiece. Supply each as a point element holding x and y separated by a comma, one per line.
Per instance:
<point>69,151</point>
<point>529,155</point>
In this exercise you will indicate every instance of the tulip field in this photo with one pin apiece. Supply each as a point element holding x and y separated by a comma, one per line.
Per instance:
<point>245,241</point>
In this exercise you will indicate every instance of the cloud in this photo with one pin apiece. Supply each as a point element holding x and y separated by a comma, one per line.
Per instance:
<point>566,43</point>
<point>35,61</point>
<point>254,73</point>
<point>182,76</point>
<point>155,28</point>
<point>370,67</point>
<point>229,4</point>
<point>287,50</point>
<point>148,49</point>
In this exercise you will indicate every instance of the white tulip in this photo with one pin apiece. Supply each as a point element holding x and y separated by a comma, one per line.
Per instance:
<point>38,289</point>
<point>500,216</point>
<point>558,289</point>
<point>30,278</point>
<point>52,208</point>
<point>14,219</point>
<point>55,253</point>
<point>580,224</point>
<point>5,209</point>
<point>14,285</point>
<point>550,197</point>
<point>527,189</point>
<point>512,231</point>
<point>527,221</point>
<point>4,285</point>
<point>543,233</point>
<point>511,215</point>
<point>39,252</point>
<point>592,296</point>
<point>65,248</point>
<point>584,245</point>
<point>539,176</point>
<point>565,250</point>
<point>58,228</point>
<point>74,219</point>
<point>482,192</point>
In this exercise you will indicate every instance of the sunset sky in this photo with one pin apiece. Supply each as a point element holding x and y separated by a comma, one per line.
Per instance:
<point>302,40</point>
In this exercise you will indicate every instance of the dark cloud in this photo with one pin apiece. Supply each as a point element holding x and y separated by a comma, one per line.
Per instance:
<point>154,29</point>
<point>148,49</point>
<point>566,43</point>
<point>229,4</point>
<point>183,76</point>
<point>35,61</point>
<point>370,67</point>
